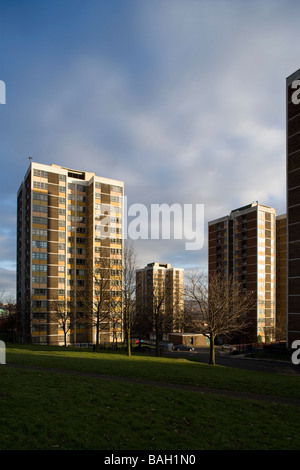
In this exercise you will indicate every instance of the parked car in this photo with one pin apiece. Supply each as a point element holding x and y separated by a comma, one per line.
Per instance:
<point>231,347</point>
<point>183,347</point>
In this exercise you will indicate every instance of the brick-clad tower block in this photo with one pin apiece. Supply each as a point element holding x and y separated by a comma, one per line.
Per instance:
<point>293,205</point>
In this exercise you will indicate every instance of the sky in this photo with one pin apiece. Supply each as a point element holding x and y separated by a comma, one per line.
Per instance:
<point>183,100</point>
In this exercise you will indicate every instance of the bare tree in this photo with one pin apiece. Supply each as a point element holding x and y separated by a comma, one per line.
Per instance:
<point>98,299</point>
<point>61,313</point>
<point>115,319</point>
<point>223,306</point>
<point>130,266</point>
<point>158,319</point>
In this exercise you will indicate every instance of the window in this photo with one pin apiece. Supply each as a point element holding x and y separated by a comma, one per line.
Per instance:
<point>39,244</point>
<point>116,189</point>
<point>40,197</point>
<point>39,291</point>
<point>40,220</point>
<point>38,208</point>
<point>39,279</point>
<point>39,267</point>
<point>39,232</point>
<point>36,255</point>
<point>40,173</point>
<point>39,185</point>
<point>39,304</point>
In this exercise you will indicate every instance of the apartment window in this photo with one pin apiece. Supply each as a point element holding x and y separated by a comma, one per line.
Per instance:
<point>38,208</point>
<point>39,255</point>
<point>40,185</point>
<point>39,304</point>
<point>116,189</point>
<point>39,279</point>
<point>40,220</point>
<point>40,197</point>
<point>115,251</point>
<point>39,244</point>
<point>80,272</point>
<point>36,291</point>
<point>115,199</point>
<point>39,267</point>
<point>40,173</point>
<point>39,232</point>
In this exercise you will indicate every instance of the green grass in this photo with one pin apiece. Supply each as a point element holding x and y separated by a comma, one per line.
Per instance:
<point>163,369</point>
<point>47,409</point>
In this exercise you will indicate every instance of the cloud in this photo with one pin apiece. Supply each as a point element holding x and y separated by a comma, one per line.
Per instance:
<point>186,105</point>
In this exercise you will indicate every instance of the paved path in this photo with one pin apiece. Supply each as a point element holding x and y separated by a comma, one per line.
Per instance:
<point>241,362</point>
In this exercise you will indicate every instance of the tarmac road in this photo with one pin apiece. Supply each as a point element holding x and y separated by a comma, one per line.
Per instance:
<point>241,362</point>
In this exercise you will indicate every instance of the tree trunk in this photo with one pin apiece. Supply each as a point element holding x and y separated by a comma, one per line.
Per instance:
<point>128,341</point>
<point>212,359</point>
<point>157,351</point>
<point>97,332</point>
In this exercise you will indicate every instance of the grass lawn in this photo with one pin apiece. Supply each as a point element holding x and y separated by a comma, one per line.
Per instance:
<point>47,409</point>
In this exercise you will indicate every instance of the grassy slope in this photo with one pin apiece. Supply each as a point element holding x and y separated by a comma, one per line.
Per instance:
<point>50,410</point>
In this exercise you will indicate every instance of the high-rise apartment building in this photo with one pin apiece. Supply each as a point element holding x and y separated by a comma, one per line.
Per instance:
<point>69,256</point>
<point>243,245</point>
<point>281,277</point>
<point>159,294</point>
<point>293,206</point>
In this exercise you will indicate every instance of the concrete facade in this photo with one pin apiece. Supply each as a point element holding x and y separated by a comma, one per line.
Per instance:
<point>69,237</point>
<point>243,245</point>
